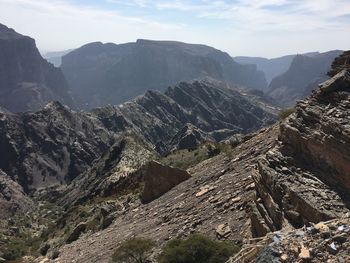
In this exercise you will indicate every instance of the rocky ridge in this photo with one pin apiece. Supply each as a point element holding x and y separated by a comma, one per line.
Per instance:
<point>56,145</point>
<point>216,110</point>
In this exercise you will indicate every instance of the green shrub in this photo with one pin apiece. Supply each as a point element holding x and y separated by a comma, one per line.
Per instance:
<point>197,249</point>
<point>134,250</point>
<point>283,114</point>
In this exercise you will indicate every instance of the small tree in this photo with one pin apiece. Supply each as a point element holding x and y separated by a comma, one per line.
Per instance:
<point>197,249</point>
<point>134,250</point>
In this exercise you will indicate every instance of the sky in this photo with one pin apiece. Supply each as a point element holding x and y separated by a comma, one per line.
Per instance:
<point>266,28</point>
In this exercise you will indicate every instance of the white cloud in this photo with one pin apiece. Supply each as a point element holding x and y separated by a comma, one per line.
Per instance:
<point>59,24</point>
<point>266,15</point>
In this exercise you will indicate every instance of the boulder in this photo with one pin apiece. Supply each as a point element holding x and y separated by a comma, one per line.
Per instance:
<point>74,235</point>
<point>340,81</point>
<point>159,179</point>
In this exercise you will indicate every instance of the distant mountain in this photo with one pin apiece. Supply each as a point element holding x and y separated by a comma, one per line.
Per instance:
<point>27,81</point>
<point>305,72</point>
<point>56,57</point>
<point>110,74</point>
<point>271,67</point>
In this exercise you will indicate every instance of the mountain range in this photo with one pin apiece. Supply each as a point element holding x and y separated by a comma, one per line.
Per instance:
<point>103,74</point>
<point>190,146</point>
<point>100,74</point>
<point>59,144</point>
<point>80,183</point>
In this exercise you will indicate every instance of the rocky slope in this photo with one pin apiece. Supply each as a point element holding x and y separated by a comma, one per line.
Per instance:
<point>51,146</point>
<point>102,74</point>
<point>27,81</point>
<point>304,179</point>
<point>303,75</point>
<point>211,201</point>
<point>55,145</point>
<point>63,164</point>
<point>292,174</point>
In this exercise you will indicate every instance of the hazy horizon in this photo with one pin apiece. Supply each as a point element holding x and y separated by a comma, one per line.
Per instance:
<point>257,28</point>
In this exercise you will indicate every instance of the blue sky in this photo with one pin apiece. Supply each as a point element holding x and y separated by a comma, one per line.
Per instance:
<point>267,28</point>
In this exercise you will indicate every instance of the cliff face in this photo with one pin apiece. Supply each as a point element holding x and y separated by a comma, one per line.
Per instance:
<point>303,75</point>
<point>306,177</point>
<point>27,81</point>
<point>103,74</point>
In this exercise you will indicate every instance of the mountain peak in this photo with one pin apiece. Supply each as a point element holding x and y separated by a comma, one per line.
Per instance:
<point>8,33</point>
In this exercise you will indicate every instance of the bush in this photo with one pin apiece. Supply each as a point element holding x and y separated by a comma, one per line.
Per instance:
<point>283,114</point>
<point>197,249</point>
<point>134,250</point>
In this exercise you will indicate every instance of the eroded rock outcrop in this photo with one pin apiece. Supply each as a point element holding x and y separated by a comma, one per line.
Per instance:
<point>306,177</point>
<point>159,179</point>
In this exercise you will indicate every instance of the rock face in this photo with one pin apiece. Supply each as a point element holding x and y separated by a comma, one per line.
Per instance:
<point>306,178</point>
<point>305,72</point>
<point>159,179</point>
<point>217,111</point>
<point>104,74</point>
<point>27,81</point>
<point>51,146</point>
<point>340,63</point>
